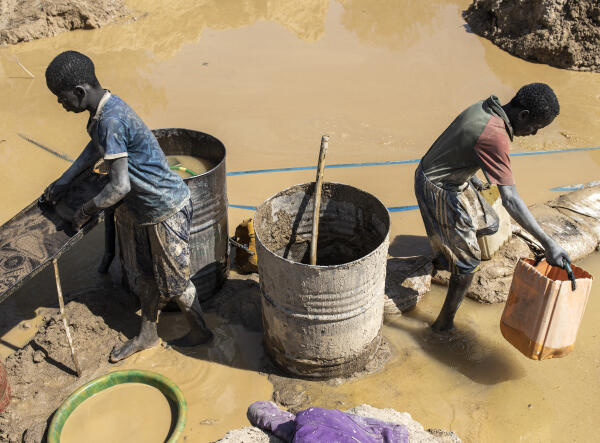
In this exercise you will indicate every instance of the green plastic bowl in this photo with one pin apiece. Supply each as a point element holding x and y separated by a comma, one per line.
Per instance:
<point>160,382</point>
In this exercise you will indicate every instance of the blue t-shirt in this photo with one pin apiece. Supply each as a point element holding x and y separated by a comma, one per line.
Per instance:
<point>156,191</point>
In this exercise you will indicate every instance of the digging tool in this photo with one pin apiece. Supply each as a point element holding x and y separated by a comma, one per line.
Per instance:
<point>61,304</point>
<point>317,208</point>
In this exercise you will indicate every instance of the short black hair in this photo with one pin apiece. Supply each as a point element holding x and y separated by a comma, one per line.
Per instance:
<point>69,69</point>
<point>539,99</point>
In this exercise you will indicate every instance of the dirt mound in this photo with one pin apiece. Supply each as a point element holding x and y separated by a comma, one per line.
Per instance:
<point>561,33</point>
<point>25,20</point>
<point>41,374</point>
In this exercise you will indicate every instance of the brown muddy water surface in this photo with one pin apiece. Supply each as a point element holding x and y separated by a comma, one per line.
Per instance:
<point>383,78</point>
<point>193,164</point>
<point>123,413</point>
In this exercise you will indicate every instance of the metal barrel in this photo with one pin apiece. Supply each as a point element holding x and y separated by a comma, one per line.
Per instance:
<point>322,321</point>
<point>209,232</point>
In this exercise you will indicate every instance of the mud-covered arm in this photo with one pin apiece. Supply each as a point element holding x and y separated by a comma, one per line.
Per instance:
<point>86,160</point>
<point>114,191</point>
<point>519,211</point>
<point>118,186</point>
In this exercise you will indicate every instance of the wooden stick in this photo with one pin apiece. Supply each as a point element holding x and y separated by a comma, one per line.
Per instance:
<point>317,208</point>
<point>61,303</point>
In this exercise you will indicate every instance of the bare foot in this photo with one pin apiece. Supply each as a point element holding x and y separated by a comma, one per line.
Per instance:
<point>130,347</point>
<point>193,338</point>
<point>443,325</point>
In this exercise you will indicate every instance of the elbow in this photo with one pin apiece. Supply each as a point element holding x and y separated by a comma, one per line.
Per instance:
<point>510,204</point>
<point>122,189</point>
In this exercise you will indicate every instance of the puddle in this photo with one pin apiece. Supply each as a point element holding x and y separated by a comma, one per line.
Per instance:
<point>383,78</point>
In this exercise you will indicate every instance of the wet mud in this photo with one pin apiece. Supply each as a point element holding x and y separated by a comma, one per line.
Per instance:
<point>25,20</point>
<point>565,34</point>
<point>127,412</point>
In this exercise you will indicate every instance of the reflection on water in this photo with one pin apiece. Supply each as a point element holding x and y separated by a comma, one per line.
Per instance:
<point>395,24</point>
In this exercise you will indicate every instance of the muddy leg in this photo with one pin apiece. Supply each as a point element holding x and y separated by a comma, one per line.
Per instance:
<point>459,284</point>
<point>148,336</point>
<point>109,241</point>
<point>190,306</point>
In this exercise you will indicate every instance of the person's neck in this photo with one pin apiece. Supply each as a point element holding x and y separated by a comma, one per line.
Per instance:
<point>94,97</point>
<point>511,113</point>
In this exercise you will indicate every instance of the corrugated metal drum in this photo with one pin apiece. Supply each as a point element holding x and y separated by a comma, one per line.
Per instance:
<point>209,233</point>
<point>4,389</point>
<point>322,321</point>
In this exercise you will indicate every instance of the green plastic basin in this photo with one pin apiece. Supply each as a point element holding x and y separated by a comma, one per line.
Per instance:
<point>160,382</point>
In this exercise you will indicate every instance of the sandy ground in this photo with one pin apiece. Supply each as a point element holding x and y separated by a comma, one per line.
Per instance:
<point>25,20</point>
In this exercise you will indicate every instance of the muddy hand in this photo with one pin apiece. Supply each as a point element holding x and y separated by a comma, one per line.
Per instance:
<point>555,254</point>
<point>84,214</point>
<point>55,192</point>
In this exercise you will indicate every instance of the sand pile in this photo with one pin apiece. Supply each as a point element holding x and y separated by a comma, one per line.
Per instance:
<point>41,375</point>
<point>561,33</point>
<point>25,20</point>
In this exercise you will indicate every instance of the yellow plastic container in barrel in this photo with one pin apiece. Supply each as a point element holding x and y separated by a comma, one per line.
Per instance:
<point>489,244</point>
<point>544,309</point>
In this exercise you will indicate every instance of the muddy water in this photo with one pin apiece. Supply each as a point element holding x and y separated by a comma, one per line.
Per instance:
<point>194,165</point>
<point>383,78</point>
<point>476,383</point>
<point>123,413</point>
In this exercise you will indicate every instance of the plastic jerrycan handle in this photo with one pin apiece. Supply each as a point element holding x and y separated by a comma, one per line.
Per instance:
<point>567,267</point>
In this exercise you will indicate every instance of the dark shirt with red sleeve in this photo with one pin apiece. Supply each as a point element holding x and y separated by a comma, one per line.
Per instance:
<point>479,138</point>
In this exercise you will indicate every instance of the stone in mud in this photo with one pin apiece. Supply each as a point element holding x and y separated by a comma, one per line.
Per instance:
<point>407,281</point>
<point>561,33</point>
<point>417,433</point>
<point>25,20</point>
<point>38,357</point>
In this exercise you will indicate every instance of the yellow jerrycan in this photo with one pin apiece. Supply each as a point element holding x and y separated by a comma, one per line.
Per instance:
<point>544,308</point>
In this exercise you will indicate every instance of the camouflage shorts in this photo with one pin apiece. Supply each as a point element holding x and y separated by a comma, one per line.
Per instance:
<point>453,221</point>
<point>155,257</point>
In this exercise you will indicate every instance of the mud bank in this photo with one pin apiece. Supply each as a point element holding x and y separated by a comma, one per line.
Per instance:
<point>41,374</point>
<point>561,33</point>
<point>25,20</point>
<point>572,219</point>
<point>417,433</point>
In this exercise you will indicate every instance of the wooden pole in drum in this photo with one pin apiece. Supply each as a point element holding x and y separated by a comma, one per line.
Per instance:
<point>61,304</point>
<point>317,207</point>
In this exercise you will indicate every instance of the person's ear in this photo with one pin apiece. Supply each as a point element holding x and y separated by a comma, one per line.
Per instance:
<point>80,92</point>
<point>523,115</point>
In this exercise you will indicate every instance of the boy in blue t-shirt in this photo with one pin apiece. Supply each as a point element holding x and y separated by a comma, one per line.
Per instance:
<point>153,219</point>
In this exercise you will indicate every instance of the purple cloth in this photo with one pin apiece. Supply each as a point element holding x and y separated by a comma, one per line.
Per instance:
<point>317,425</point>
<point>266,415</point>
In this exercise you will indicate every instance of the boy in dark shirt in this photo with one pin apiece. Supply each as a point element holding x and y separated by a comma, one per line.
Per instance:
<point>153,220</point>
<point>453,212</point>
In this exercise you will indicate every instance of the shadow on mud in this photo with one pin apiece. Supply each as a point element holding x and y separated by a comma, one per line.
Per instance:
<point>410,245</point>
<point>464,350</point>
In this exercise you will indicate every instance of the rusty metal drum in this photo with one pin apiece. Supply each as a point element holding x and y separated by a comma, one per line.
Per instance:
<point>209,241</point>
<point>324,320</point>
<point>4,389</point>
